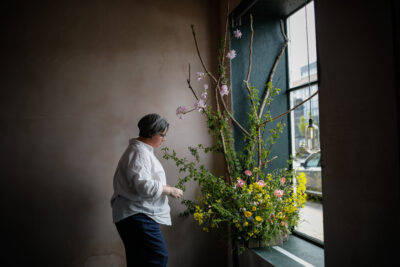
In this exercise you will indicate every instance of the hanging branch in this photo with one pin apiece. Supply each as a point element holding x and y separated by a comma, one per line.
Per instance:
<point>272,73</point>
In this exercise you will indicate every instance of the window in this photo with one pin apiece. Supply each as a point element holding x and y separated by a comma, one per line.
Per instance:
<point>303,79</point>
<point>297,77</point>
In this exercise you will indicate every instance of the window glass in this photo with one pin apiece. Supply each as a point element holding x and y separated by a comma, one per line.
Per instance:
<point>297,50</point>
<point>303,77</point>
<point>299,119</point>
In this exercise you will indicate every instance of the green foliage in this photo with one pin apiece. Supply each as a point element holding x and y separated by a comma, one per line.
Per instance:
<point>252,208</point>
<point>251,201</point>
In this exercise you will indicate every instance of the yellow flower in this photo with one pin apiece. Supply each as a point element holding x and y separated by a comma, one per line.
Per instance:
<point>254,208</point>
<point>246,224</point>
<point>198,217</point>
<point>247,213</point>
<point>258,218</point>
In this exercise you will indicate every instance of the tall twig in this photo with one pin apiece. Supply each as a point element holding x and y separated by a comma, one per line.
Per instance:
<point>232,118</point>
<point>250,63</point>
<point>272,73</point>
<point>225,34</point>
<point>198,53</point>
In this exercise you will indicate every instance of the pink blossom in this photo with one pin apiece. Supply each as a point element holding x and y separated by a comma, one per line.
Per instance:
<point>237,33</point>
<point>272,215</point>
<point>200,105</point>
<point>205,86</point>
<point>278,193</point>
<point>248,172</point>
<point>240,183</point>
<point>224,90</point>
<point>261,183</point>
<point>204,95</point>
<point>283,180</point>
<point>231,54</point>
<point>200,75</point>
<point>180,111</point>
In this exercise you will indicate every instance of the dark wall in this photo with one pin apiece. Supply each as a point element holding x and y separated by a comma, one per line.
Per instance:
<point>358,97</point>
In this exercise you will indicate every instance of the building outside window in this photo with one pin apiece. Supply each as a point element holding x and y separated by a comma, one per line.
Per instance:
<point>303,82</point>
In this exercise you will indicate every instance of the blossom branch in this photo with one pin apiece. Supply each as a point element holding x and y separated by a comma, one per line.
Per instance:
<point>216,81</point>
<point>272,73</point>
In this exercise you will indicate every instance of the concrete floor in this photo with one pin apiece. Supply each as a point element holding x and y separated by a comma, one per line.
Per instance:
<point>311,222</point>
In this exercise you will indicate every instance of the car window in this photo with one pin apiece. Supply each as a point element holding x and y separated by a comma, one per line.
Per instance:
<point>313,160</point>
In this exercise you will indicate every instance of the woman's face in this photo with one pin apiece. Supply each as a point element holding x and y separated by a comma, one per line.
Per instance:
<point>158,139</point>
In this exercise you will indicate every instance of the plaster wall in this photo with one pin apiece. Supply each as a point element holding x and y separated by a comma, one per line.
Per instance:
<point>76,76</point>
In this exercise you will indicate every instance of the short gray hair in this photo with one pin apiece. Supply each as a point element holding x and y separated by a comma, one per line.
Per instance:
<point>151,125</point>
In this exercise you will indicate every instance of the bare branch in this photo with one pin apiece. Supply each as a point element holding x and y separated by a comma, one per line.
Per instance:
<point>250,48</point>
<point>222,136</point>
<point>290,110</point>
<point>226,33</point>
<point>198,53</point>
<point>250,63</point>
<point>272,73</point>
<point>265,163</point>
<point>190,86</point>
<point>232,118</point>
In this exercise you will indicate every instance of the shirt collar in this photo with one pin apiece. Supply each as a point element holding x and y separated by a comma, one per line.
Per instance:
<point>140,143</point>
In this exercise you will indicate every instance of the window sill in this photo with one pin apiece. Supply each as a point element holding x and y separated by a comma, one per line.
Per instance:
<point>295,252</point>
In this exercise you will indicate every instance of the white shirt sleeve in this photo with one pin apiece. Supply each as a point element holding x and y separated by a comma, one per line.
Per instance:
<point>140,177</point>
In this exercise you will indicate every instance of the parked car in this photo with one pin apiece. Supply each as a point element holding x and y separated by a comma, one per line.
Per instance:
<point>312,161</point>
<point>312,169</point>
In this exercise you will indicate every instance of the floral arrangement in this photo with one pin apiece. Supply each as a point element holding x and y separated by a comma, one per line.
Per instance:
<point>250,201</point>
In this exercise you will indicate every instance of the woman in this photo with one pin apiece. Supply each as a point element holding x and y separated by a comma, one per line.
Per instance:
<point>140,202</point>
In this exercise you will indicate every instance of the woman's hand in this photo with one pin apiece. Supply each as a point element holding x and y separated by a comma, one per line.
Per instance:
<point>172,191</point>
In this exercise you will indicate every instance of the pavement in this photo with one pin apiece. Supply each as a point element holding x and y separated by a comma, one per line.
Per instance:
<point>311,221</point>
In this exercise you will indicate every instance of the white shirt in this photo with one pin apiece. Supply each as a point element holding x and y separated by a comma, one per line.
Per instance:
<point>138,185</point>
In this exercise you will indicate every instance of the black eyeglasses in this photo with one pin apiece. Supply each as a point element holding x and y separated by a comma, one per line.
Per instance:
<point>163,135</point>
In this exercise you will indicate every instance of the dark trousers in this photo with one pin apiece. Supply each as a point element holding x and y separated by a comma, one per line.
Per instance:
<point>143,241</point>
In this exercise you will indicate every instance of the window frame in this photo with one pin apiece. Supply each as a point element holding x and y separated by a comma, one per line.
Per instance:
<point>289,90</point>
